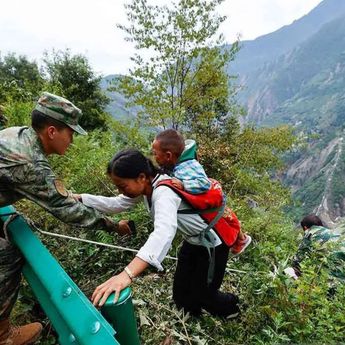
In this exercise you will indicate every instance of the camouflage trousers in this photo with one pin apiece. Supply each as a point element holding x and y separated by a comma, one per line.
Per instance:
<point>11,263</point>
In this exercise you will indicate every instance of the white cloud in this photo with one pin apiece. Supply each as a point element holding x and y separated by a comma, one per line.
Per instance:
<point>89,26</point>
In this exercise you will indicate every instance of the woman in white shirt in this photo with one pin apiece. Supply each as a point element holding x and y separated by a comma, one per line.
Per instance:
<point>136,179</point>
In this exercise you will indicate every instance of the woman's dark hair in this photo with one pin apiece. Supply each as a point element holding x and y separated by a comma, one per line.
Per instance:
<point>39,121</point>
<point>310,220</point>
<point>131,163</point>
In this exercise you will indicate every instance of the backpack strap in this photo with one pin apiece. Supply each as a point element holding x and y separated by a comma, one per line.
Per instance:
<point>206,241</point>
<point>195,211</point>
<point>205,238</point>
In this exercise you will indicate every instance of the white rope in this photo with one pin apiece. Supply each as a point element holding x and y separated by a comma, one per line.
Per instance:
<point>114,247</point>
<point>53,234</point>
<point>94,242</point>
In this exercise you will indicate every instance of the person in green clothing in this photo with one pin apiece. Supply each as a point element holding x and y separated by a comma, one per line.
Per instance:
<point>3,119</point>
<point>25,173</point>
<point>319,238</point>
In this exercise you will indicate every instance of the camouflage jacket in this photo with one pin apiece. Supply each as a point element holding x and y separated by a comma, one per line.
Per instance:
<point>331,241</point>
<point>2,121</point>
<point>25,173</point>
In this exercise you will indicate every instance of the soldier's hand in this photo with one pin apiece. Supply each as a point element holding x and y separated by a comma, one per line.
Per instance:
<point>124,228</point>
<point>77,197</point>
<point>110,225</point>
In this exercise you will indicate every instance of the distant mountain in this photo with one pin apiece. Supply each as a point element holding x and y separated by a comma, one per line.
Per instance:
<point>301,82</point>
<point>296,76</point>
<point>255,53</point>
<point>304,80</point>
<point>117,106</point>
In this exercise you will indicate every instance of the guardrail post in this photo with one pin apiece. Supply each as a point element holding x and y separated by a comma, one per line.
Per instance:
<point>121,317</point>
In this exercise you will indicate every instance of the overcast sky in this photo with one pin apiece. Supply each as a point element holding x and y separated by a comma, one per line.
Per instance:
<point>88,27</point>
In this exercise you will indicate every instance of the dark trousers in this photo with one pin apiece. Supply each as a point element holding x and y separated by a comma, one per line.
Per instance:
<point>11,262</point>
<point>191,290</point>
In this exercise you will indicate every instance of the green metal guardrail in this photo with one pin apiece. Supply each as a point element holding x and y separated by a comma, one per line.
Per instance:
<point>73,316</point>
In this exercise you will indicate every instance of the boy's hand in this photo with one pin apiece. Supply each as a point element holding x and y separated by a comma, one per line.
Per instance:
<point>177,183</point>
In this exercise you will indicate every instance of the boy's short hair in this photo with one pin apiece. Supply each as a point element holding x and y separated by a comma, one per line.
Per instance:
<point>39,121</point>
<point>311,220</point>
<point>171,140</point>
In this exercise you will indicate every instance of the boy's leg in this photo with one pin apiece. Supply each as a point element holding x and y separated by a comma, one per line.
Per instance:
<point>241,236</point>
<point>242,242</point>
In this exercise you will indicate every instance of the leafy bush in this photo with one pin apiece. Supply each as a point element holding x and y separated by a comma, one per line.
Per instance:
<point>275,310</point>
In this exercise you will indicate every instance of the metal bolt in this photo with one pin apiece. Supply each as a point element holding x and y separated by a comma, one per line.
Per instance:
<point>95,327</point>
<point>67,292</point>
<point>71,338</point>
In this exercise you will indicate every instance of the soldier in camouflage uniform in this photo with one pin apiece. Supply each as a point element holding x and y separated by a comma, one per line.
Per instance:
<point>317,237</point>
<point>3,119</point>
<point>26,173</point>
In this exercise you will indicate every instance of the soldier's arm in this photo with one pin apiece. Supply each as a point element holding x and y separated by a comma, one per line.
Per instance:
<point>39,184</point>
<point>302,253</point>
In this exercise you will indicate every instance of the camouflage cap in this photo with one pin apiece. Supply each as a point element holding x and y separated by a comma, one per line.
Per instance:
<point>60,109</point>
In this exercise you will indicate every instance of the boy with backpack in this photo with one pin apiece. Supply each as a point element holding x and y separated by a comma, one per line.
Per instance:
<point>179,158</point>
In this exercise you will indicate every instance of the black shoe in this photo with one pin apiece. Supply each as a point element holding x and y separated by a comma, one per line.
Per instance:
<point>223,305</point>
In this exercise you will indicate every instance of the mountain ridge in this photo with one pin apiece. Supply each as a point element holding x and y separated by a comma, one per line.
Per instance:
<point>300,82</point>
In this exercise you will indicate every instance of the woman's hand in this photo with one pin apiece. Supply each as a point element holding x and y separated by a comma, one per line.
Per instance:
<point>114,284</point>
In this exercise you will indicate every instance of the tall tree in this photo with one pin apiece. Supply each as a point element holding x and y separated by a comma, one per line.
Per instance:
<point>186,63</point>
<point>73,77</point>
<point>19,78</point>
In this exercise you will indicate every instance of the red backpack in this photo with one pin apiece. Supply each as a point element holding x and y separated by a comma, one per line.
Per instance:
<point>211,206</point>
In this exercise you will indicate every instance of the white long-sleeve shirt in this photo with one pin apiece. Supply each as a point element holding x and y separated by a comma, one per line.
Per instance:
<point>164,207</point>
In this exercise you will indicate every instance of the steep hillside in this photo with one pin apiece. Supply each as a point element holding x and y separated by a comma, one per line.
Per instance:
<point>296,76</point>
<point>305,88</point>
<point>316,179</point>
<point>302,85</point>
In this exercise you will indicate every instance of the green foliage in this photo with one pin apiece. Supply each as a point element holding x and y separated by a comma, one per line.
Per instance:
<point>74,77</point>
<point>184,86</point>
<point>310,196</point>
<point>172,85</point>
<point>245,161</point>
<point>20,79</point>
<point>18,113</point>
<point>274,309</point>
<point>209,98</point>
<point>338,188</point>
